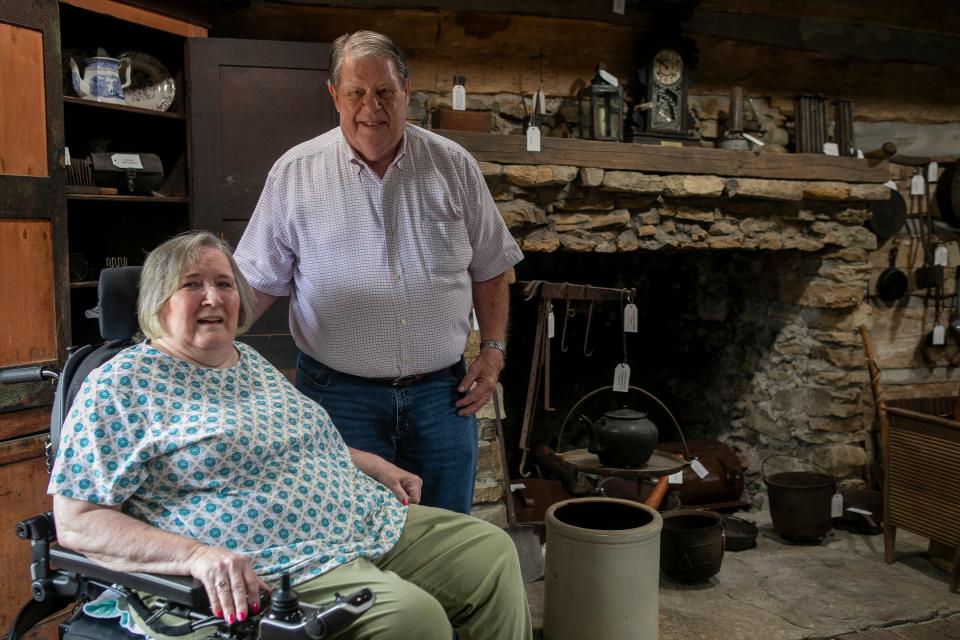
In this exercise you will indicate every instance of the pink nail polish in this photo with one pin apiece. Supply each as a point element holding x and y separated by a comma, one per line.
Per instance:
<point>256,608</point>
<point>219,614</point>
<point>230,619</point>
<point>241,616</point>
<point>404,502</point>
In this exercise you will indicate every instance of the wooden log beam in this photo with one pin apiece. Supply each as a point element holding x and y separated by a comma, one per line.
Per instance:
<point>504,149</point>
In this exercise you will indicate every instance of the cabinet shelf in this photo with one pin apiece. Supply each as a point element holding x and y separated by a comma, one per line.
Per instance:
<point>109,106</point>
<point>90,197</point>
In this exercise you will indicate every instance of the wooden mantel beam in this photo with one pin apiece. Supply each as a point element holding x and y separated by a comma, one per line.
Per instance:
<point>505,149</point>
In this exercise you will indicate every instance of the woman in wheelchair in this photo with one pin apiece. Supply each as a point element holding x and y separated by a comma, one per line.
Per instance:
<point>189,454</point>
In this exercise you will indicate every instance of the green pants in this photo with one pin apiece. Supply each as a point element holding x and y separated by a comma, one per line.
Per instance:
<point>446,569</point>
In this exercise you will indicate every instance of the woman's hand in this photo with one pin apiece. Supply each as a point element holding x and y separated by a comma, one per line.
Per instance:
<point>405,485</point>
<point>232,587</point>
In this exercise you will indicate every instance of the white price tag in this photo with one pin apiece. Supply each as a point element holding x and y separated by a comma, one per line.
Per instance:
<point>836,506</point>
<point>862,512</point>
<point>473,320</point>
<point>675,478</point>
<point>940,255</point>
<point>630,318</point>
<point>621,378</point>
<point>126,161</point>
<point>516,486</point>
<point>892,184</point>
<point>933,172</point>
<point>831,149</point>
<point>917,186</point>
<point>66,156</point>
<point>619,6</point>
<point>551,326</point>
<point>699,469</point>
<point>939,336</point>
<point>459,98</point>
<point>533,138</point>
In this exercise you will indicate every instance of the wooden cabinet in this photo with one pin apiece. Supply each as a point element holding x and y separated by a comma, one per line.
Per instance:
<point>103,228</point>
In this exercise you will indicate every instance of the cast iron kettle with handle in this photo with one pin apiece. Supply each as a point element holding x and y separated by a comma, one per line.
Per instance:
<point>622,437</point>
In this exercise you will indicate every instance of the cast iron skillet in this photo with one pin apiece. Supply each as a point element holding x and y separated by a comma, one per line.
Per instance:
<point>888,215</point>
<point>739,534</point>
<point>891,284</point>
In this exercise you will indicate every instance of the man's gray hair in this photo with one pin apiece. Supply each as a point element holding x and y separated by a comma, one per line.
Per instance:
<point>160,279</point>
<point>362,44</point>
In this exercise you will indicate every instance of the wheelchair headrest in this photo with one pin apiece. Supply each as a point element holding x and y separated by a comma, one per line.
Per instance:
<point>117,289</point>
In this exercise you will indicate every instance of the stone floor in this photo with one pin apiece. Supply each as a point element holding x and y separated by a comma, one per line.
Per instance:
<point>781,591</point>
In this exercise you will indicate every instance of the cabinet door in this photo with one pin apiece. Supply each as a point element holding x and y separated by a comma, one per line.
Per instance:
<point>250,101</point>
<point>33,271</point>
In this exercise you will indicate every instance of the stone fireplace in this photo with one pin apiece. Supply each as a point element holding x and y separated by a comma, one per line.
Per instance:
<point>750,292</point>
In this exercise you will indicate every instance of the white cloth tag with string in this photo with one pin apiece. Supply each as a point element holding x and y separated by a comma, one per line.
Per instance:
<point>551,325</point>
<point>459,98</point>
<point>699,469</point>
<point>892,184</point>
<point>933,172</point>
<point>533,138</point>
<point>675,478</point>
<point>473,320</point>
<point>836,506</point>
<point>621,378</point>
<point>940,255</point>
<point>619,6</point>
<point>630,318</point>
<point>917,186</point>
<point>66,156</point>
<point>939,336</point>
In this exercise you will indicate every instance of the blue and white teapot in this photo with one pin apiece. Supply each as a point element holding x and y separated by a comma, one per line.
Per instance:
<point>101,78</point>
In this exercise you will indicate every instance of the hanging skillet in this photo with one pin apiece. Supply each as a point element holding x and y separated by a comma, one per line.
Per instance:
<point>888,215</point>
<point>948,195</point>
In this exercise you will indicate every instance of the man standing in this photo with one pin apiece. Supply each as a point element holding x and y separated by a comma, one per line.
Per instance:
<point>384,235</point>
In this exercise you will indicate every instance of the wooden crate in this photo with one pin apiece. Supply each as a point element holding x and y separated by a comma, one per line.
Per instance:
<point>922,474</point>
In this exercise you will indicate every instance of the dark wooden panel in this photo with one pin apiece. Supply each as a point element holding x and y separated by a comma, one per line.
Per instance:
<point>655,159</point>
<point>250,102</point>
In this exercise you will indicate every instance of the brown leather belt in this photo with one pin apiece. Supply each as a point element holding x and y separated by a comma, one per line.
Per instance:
<point>405,381</point>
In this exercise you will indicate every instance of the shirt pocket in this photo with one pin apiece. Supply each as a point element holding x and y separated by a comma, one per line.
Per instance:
<point>448,246</point>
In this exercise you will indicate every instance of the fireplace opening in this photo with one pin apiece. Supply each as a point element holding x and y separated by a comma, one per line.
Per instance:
<point>713,345</point>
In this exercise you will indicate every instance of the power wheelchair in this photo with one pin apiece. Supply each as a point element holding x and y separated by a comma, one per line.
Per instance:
<point>59,576</point>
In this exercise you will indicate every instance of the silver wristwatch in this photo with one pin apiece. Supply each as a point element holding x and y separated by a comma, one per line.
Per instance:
<point>499,345</point>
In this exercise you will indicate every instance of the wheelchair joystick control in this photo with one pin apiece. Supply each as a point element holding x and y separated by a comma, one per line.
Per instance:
<point>284,604</point>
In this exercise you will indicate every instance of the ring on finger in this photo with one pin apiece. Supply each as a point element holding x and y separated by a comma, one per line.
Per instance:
<point>221,584</point>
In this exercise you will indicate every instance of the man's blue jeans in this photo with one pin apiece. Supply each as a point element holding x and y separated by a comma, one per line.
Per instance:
<point>415,427</point>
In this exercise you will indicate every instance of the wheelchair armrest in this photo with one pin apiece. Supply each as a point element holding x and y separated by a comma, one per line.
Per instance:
<point>183,590</point>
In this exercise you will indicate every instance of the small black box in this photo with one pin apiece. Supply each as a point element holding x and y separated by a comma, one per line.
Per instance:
<point>130,173</point>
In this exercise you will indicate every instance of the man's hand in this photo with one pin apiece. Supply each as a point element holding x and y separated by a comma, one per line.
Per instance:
<point>480,381</point>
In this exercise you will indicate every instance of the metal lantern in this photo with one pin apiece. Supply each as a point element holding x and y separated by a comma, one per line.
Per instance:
<point>601,108</point>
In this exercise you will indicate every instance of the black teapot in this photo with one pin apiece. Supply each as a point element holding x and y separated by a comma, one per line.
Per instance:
<point>622,438</point>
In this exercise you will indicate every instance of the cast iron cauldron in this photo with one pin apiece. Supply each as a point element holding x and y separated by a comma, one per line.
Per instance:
<point>622,438</point>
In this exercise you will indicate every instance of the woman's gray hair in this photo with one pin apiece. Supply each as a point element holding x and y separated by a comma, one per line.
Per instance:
<point>362,44</point>
<point>160,279</point>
